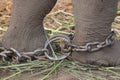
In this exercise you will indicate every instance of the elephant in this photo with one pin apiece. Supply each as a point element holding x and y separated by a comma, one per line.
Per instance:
<point>93,19</point>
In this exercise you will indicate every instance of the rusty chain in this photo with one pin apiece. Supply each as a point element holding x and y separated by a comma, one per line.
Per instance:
<point>52,51</point>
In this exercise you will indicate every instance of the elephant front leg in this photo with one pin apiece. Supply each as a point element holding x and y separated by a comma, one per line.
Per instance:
<point>93,20</point>
<point>26,32</point>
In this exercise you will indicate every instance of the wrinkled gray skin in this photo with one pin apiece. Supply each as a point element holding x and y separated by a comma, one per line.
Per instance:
<point>93,20</point>
<point>26,32</point>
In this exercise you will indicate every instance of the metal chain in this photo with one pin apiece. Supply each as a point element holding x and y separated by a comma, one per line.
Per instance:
<point>89,47</point>
<point>66,48</point>
<point>95,46</point>
<point>15,56</point>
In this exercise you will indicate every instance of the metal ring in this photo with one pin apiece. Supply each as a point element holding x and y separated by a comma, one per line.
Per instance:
<point>53,38</point>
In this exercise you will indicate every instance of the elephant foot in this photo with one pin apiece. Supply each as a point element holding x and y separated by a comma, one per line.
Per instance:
<point>24,38</point>
<point>109,56</point>
<point>26,32</point>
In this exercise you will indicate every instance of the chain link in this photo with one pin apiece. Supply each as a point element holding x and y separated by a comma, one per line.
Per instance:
<point>66,48</point>
<point>66,41</point>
